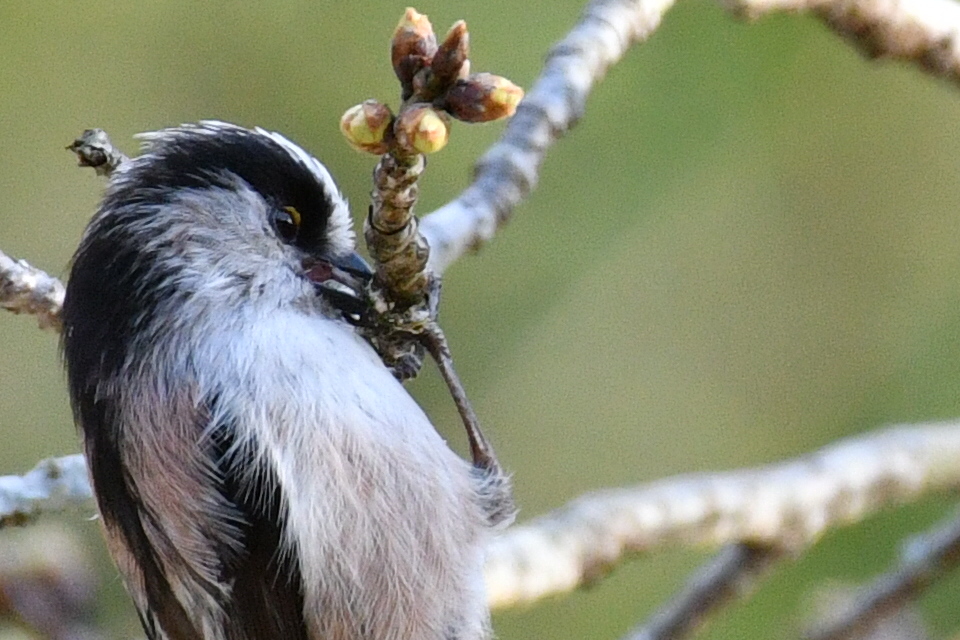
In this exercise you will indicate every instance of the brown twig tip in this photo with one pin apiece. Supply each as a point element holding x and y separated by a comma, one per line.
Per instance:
<point>451,60</point>
<point>422,129</point>
<point>483,97</point>
<point>94,149</point>
<point>365,125</point>
<point>413,47</point>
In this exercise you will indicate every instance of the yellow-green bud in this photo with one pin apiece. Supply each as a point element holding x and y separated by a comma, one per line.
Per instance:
<point>364,126</point>
<point>422,129</point>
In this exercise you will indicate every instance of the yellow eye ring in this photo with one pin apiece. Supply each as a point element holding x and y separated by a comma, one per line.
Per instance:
<point>295,215</point>
<point>287,223</point>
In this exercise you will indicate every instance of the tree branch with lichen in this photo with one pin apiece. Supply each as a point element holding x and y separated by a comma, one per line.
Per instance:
<point>786,507</point>
<point>789,505</point>
<point>53,485</point>
<point>26,289</point>
<point>95,150</point>
<point>924,32</point>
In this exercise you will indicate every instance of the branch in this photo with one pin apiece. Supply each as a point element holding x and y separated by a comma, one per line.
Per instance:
<point>26,289</point>
<point>53,485</point>
<point>732,574</point>
<point>926,32</point>
<point>787,505</point>
<point>923,31</point>
<point>926,559</point>
<point>509,170</point>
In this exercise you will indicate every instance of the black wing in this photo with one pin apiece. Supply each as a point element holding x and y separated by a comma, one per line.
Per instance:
<point>265,598</point>
<point>266,601</point>
<point>123,517</point>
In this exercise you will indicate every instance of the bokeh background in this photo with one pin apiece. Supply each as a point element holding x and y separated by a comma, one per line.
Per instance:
<point>747,249</point>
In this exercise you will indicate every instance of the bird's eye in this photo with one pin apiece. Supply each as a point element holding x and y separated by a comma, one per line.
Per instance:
<point>287,223</point>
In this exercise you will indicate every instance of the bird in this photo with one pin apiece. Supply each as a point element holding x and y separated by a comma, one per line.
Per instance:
<point>258,472</point>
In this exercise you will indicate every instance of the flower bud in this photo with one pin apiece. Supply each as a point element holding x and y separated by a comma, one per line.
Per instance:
<point>483,97</point>
<point>414,45</point>
<point>422,129</point>
<point>364,126</point>
<point>451,55</point>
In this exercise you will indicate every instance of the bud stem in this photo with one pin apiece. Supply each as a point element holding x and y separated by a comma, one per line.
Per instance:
<point>397,248</point>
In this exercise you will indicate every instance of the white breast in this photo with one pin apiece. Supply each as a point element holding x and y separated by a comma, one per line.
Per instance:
<point>382,515</point>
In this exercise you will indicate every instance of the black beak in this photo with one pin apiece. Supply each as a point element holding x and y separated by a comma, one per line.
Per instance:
<point>342,281</point>
<point>354,264</point>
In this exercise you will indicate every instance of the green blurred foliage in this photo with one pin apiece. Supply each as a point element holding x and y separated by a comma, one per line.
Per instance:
<point>746,249</point>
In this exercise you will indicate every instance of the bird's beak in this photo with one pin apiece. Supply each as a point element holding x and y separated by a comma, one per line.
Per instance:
<point>350,270</point>
<point>354,264</point>
<point>342,280</point>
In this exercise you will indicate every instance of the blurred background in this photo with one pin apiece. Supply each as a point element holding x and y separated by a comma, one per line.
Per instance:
<point>747,249</point>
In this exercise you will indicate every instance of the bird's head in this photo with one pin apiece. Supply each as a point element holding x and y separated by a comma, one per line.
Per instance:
<point>209,220</point>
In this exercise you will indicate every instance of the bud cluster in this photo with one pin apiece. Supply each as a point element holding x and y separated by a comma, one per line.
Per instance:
<point>436,84</point>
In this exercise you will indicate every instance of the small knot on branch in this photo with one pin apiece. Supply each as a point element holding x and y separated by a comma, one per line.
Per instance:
<point>94,149</point>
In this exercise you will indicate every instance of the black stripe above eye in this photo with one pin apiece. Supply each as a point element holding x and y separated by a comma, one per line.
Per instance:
<point>201,158</point>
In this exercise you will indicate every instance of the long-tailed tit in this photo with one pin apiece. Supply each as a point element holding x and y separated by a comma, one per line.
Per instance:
<point>260,474</point>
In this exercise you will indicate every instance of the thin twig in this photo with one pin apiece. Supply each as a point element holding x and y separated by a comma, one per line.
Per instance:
<point>925,559</point>
<point>496,494</point>
<point>94,149</point>
<point>731,575</point>
<point>481,451</point>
